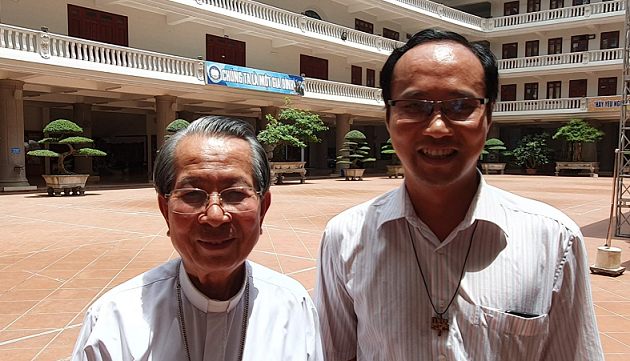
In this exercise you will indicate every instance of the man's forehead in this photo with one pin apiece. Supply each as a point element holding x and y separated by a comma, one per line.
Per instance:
<point>443,51</point>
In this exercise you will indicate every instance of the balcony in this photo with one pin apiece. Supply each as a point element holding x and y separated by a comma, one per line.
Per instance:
<point>609,59</point>
<point>40,51</point>
<point>604,107</point>
<point>269,20</point>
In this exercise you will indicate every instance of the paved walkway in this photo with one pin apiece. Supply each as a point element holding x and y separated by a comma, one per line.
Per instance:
<point>58,254</point>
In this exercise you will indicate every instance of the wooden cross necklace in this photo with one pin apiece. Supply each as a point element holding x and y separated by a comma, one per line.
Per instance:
<point>440,323</point>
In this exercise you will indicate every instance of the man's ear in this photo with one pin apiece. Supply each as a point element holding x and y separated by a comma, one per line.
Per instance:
<point>264,207</point>
<point>163,204</point>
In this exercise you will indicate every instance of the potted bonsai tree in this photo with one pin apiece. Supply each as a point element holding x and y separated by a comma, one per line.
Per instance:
<point>395,169</point>
<point>532,152</point>
<point>490,155</point>
<point>357,150</point>
<point>577,132</point>
<point>175,126</point>
<point>65,132</point>
<point>295,128</point>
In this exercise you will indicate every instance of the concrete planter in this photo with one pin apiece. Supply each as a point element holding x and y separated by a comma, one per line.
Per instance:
<point>68,183</point>
<point>493,167</point>
<point>395,171</point>
<point>354,174</point>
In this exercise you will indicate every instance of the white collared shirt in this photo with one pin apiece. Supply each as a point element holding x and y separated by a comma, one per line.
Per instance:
<point>138,320</point>
<point>526,257</point>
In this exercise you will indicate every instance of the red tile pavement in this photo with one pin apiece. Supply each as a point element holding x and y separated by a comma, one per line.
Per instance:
<point>58,254</point>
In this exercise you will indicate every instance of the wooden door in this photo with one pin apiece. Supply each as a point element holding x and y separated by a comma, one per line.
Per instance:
<point>313,67</point>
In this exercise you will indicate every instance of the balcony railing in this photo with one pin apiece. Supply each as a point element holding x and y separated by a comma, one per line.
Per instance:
<point>540,105</point>
<point>585,57</point>
<point>49,45</point>
<point>329,88</point>
<point>556,14</point>
<point>282,18</point>
<point>302,23</point>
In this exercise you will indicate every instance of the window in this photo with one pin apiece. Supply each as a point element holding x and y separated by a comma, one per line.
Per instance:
<point>97,25</point>
<point>364,26</point>
<point>607,86</point>
<point>577,88</point>
<point>609,40</point>
<point>312,14</point>
<point>370,77</point>
<point>531,48</point>
<point>556,4</point>
<point>531,91</point>
<point>357,75</point>
<point>313,67</point>
<point>579,43</point>
<point>508,93</point>
<point>554,46</point>
<point>510,51</point>
<point>391,34</point>
<point>554,89</point>
<point>581,2</point>
<point>511,8</point>
<point>533,5</point>
<point>225,50</point>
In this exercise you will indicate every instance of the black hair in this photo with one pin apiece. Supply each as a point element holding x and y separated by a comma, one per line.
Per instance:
<point>483,53</point>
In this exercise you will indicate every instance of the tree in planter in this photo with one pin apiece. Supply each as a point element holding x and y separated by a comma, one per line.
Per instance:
<point>175,126</point>
<point>294,127</point>
<point>65,132</point>
<point>394,169</point>
<point>532,151</point>
<point>577,132</point>
<point>494,148</point>
<point>357,149</point>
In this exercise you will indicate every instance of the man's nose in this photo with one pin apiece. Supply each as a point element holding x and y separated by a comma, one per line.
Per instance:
<point>214,214</point>
<point>438,125</point>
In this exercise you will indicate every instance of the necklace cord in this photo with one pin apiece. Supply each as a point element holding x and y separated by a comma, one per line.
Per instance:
<point>461,276</point>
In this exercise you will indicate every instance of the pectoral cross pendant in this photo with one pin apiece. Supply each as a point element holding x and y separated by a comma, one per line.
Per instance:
<point>439,324</point>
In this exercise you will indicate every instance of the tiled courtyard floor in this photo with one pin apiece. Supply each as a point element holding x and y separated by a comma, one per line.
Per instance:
<point>58,254</point>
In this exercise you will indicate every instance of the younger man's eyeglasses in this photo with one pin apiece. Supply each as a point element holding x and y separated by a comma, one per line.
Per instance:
<point>417,110</point>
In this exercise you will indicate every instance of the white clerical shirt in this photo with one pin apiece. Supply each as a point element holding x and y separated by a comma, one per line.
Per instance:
<point>524,295</point>
<point>138,320</point>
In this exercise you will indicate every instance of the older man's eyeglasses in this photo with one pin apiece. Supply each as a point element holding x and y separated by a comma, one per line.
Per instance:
<point>416,110</point>
<point>231,200</point>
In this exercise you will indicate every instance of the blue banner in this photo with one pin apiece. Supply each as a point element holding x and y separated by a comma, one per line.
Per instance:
<point>254,79</point>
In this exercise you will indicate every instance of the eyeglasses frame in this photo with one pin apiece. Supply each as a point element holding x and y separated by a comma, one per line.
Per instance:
<point>208,195</point>
<point>482,101</point>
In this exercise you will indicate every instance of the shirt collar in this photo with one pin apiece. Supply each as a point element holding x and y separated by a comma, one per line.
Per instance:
<point>485,206</point>
<point>201,301</point>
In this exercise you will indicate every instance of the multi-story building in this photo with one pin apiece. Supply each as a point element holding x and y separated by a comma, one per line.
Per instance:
<point>124,69</point>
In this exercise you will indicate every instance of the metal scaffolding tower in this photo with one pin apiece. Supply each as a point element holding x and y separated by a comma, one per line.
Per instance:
<point>622,156</point>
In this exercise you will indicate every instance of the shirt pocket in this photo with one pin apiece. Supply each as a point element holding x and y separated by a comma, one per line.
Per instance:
<point>487,334</point>
<point>506,323</point>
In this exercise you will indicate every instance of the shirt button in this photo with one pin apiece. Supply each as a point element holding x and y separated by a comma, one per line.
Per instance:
<point>441,358</point>
<point>441,303</point>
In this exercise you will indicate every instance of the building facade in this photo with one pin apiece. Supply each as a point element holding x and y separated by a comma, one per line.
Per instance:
<point>125,69</point>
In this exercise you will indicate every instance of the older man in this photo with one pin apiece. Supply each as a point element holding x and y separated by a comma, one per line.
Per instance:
<point>447,267</point>
<point>212,181</point>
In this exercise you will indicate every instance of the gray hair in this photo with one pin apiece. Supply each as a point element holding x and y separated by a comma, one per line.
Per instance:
<point>164,172</point>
